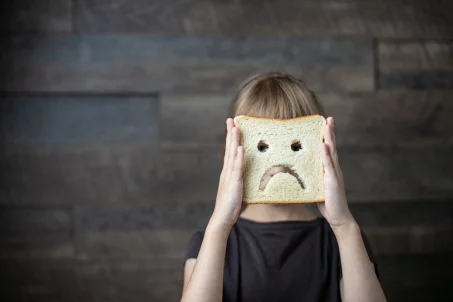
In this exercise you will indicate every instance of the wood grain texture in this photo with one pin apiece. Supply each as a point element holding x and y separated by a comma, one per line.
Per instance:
<point>391,118</point>
<point>430,213</point>
<point>144,217</point>
<point>193,119</point>
<point>35,232</point>
<point>415,64</point>
<point>84,175</point>
<point>397,173</point>
<point>150,64</point>
<point>99,280</point>
<point>397,19</point>
<point>416,277</point>
<point>135,244</point>
<point>32,246</point>
<point>72,120</point>
<point>415,54</point>
<point>36,16</point>
<point>415,79</point>
<point>410,240</point>
<point>189,176</point>
<point>35,220</point>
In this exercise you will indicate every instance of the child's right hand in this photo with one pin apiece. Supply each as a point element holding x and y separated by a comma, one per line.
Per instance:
<point>228,203</point>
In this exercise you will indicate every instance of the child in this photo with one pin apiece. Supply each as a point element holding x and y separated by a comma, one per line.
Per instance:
<point>271,252</point>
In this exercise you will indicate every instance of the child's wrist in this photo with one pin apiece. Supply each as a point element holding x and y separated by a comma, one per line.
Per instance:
<point>218,225</point>
<point>347,229</point>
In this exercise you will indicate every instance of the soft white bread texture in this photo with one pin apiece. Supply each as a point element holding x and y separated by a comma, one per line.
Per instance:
<point>291,143</point>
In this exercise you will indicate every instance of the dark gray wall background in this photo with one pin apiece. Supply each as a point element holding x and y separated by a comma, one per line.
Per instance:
<point>112,125</point>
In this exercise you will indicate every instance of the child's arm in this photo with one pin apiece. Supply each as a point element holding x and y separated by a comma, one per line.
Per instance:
<point>206,280</point>
<point>359,281</point>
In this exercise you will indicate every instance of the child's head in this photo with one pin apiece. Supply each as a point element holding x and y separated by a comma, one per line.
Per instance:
<point>275,95</point>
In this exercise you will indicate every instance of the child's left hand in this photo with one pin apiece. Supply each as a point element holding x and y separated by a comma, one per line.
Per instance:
<point>335,209</point>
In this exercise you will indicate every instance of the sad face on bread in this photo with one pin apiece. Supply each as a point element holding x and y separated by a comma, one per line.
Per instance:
<point>283,162</point>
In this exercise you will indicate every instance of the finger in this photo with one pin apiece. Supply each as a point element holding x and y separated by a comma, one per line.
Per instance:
<point>333,150</point>
<point>239,162</point>
<point>327,161</point>
<point>329,138</point>
<point>233,147</point>
<point>229,125</point>
<point>332,123</point>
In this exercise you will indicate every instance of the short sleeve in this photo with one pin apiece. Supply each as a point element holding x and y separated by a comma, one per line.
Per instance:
<point>194,244</point>
<point>366,242</point>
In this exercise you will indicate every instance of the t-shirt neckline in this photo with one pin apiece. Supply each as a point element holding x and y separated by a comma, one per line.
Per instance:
<point>284,224</point>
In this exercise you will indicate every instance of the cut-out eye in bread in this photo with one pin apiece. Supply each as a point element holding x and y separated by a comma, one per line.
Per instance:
<point>262,146</point>
<point>296,146</point>
<point>283,162</point>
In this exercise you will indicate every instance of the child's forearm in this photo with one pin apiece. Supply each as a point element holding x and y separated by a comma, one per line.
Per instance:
<point>360,282</point>
<point>206,282</point>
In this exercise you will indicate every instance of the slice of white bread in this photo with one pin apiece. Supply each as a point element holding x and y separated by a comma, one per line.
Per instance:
<point>291,143</point>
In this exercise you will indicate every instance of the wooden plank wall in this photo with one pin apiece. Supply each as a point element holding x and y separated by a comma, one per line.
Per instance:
<point>112,124</point>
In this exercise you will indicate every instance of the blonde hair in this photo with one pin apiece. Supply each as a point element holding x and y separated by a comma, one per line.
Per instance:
<point>275,95</point>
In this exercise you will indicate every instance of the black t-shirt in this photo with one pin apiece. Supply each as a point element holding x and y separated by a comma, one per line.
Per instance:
<point>279,261</point>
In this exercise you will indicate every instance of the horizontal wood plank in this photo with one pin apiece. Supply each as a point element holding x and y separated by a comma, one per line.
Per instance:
<point>189,176</point>
<point>54,245</point>
<point>69,120</point>
<point>413,64</point>
<point>399,173</point>
<point>57,175</point>
<point>409,240</point>
<point>391,118</point>
<point>415,54</point>
<point>17,221</point>
<point>171,243</point>
<point>43,16</point>
<point>36,232</point>
<point>100,280</point>
<point>193,119</point>
<point>389,18</point>
<point>150,64</point>
<point>415,79</point>
<point>308,51</point>
<point>144,217</point>
<point>416,277</point>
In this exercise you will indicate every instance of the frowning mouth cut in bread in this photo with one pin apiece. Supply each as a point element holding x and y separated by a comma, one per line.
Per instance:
<point>283,162</point>
<point>279,169</point>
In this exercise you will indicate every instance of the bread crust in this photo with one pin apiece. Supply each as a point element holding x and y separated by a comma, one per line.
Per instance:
<point>279,119</point>
<point>284,202</point>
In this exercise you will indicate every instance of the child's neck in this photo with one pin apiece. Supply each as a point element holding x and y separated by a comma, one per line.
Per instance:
<point>277,212</point>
